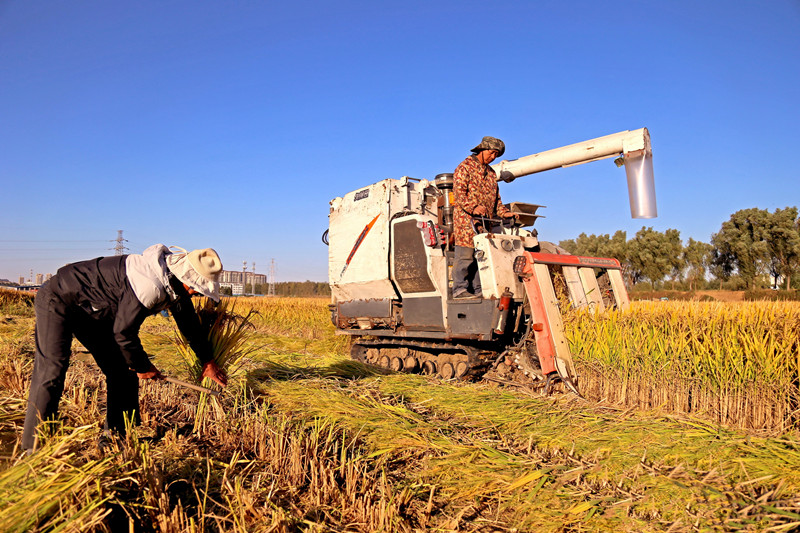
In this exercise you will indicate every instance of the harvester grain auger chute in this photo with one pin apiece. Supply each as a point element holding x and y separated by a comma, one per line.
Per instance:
<point>390,258</point>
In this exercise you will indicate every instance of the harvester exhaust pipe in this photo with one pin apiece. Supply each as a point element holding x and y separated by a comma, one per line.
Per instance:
<point>631,148</point>
<point>444,182</point>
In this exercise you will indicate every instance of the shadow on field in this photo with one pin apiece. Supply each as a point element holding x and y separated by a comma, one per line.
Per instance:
<point>341,370</point>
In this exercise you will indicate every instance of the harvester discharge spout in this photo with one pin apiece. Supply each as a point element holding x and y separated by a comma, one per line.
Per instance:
<point>631,148</point>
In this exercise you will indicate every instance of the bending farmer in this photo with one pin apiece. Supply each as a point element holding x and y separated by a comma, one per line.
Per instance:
<point>475,195</point>
<point>102,302</point>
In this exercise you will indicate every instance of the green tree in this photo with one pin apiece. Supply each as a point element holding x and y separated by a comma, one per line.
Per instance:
<point>653,254</point>
<point>603,246</point>
<point>598,245</point>
<point>755,241</point>
<point>782,236</point>
<point>722,265</point>
<point>697,258</point>
<point>302,288</point>
<point>739,244</point>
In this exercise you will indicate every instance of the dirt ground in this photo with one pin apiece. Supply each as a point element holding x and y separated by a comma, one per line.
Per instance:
<point>724,296</point>
<point>718,296</point>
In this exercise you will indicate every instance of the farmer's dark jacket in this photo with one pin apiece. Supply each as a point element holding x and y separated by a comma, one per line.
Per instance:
<point>121,291</point>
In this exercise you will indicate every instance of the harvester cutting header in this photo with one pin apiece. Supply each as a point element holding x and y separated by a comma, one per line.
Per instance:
<point>439,277</point>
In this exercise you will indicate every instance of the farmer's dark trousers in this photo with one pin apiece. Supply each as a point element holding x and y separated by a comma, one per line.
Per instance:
<point>465,270</point>
<point>56,323</point>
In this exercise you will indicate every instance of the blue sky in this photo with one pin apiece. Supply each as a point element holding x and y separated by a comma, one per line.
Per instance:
<point>233,124</point>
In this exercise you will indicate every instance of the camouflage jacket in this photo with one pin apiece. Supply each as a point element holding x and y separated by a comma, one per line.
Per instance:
<point>475,184</point>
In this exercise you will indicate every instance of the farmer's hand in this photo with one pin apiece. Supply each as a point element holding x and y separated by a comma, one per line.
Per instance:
<point>509,214</point>
<point>215,373</point>
<point>480,211</point>
<point>152,373</point>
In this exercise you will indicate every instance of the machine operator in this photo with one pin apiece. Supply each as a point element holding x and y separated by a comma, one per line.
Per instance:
<point>475,195</point>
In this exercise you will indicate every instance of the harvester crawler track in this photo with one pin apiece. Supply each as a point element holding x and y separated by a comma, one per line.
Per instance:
<point>446,361</point>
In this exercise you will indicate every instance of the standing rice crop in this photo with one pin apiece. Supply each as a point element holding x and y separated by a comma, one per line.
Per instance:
<point>16,302</point>
<point>738,363</point>
<point>306,320</point>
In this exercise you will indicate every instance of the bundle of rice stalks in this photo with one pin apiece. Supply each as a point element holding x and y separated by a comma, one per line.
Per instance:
<point>343,370</point>
<point>227,334</point>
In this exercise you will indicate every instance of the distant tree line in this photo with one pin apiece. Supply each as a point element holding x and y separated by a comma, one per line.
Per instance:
<point>300,288</point>
<point>289,288</point>
<point>754,249</point>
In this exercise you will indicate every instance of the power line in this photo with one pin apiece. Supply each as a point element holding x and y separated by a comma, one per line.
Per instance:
<point>59,241</point>
<point>46,249</point>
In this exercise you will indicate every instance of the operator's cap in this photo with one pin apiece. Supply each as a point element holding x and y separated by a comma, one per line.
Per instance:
<point>490,143</point>
<point>199,269</point>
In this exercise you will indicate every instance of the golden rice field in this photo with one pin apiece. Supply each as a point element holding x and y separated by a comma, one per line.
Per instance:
<point>690,423</point>
<point>734,363</point>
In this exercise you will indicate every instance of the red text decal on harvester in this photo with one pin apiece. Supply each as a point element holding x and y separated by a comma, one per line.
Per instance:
<point>391,283</point>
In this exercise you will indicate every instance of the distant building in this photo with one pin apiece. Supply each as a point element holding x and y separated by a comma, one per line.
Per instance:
<point>232,276</point>
<point>241,282</point>
<point>236,288</point>
<point>39,279</point>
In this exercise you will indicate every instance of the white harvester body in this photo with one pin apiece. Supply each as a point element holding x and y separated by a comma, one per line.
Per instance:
<point>390,272</point>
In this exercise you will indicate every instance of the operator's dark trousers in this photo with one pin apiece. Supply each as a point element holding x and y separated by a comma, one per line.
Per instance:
<point>56,323</point>
<point>465,271</point>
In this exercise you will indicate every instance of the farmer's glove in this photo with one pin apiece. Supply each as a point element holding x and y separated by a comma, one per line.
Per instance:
<point>215,373</point>
<point>152,373</point>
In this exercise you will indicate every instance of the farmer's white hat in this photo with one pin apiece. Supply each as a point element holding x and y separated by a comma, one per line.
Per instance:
<point>199,269</point>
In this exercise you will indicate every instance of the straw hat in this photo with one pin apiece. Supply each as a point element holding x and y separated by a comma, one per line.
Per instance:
<point>199,269</point>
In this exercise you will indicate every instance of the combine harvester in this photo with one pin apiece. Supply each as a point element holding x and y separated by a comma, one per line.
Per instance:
<point>390,259</point>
